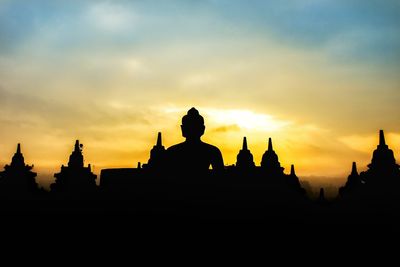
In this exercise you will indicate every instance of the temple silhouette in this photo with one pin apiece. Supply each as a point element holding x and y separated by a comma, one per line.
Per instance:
<point>353,183</point>
<point>189,180</point>
<point>245,160</point>
<point>75,177</point>
<point>18,178</point>
<point>377,188</point>
<point>157,156</point>
<point>383,165</point>
<point>270,162</point>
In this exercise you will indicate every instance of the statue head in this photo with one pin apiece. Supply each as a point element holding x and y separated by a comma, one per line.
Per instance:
<point>192,125</point>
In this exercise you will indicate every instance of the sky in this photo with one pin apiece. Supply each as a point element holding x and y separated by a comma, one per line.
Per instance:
<point>320,77</point>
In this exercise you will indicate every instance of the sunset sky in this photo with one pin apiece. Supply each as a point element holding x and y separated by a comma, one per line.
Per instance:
<point>320,77</point>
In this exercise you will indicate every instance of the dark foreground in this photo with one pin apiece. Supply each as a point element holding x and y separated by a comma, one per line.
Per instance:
<point>208,201</point>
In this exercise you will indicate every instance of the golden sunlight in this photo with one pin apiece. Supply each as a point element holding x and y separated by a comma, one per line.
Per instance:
<point>243,118</point>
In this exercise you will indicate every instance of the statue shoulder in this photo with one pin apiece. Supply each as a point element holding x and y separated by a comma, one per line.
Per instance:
<point>174,147</point>
<point>213,148</point>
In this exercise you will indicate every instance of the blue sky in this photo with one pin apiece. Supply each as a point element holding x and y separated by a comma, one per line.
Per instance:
<point>371,28</point>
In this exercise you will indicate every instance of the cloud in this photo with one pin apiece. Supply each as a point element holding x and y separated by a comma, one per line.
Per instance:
<point>198,80</point>
<point>368,142</point>
<point>227,128</point>
<point>113,17</point>
<point>245,119</point>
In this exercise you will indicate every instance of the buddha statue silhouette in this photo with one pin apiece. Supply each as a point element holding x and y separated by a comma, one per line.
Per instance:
<point>193,156</point>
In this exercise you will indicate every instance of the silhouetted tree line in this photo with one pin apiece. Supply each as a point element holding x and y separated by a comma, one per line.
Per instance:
<point>178,181</point>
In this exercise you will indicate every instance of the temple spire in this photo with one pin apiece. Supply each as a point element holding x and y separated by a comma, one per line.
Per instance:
<point>382,138</point>
<point>75,177</point>
<point>18,158</point>
<point>292,171</point>
<point>17,177</point>
<point>157,154</point>
<point>270,161</point>
<point>76,158</point>
<point>354,169</point>
<point>244,159</point>
<point>77,146</point>
<point>270,144</point>
<point>244,143</point>
<point>159,140</point>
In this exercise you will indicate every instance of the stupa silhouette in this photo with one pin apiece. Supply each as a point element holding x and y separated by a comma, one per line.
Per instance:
<point>294,182</point>
<point>270,163</point>
<point>353,182</point>
<point>377,188</point>
<point>245,158</point>
<point>75,177</point>
<point>17,177</point>
<point>383,171</point>
<point>157,156</point>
